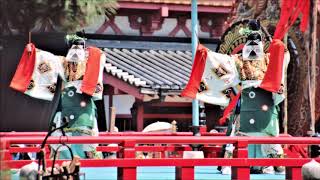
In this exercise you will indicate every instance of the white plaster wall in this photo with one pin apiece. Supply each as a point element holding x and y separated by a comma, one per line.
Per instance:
<point>204,34</point>
<point>123,103</point>
<point>95,25</point>
<point>109,30</point>
<point>188,25</point>
<point>180,33</point>
<point>123,23</point>
<point>167,26</point>
<point>201,34</point>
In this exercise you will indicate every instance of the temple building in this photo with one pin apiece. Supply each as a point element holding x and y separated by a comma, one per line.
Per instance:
<point>148,49</point>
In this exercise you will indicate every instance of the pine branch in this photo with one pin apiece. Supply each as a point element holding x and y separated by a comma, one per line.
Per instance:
<point>62,15</point>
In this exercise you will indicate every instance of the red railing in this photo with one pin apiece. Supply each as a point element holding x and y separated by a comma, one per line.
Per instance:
<point>24,134</point>
<point>128,145</point>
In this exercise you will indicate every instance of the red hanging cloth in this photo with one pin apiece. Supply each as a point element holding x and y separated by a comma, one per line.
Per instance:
<point>290,10</point>
<point>90,78</point>
<point>23,74</point>
<point>198,66</point>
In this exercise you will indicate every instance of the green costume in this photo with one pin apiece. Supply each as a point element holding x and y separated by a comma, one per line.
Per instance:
<point>81,113</point>
<point>258,114</point>
<point>259,110</point>
<point>219,75</point>
<point>77,107</point>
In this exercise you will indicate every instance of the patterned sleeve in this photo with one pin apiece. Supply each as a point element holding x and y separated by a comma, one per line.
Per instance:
<point>219,76</point>
<point>97,95</point>
<point>44,77</point>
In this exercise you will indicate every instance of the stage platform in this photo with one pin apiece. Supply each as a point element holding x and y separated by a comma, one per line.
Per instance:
<point>162,173</point>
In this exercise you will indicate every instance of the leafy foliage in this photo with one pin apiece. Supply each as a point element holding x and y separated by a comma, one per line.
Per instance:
<point>21,16</point>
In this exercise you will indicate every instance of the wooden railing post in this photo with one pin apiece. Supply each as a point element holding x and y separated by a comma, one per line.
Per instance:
<point>4,155</point>
<point>5,146</point>
<point>185,173</point>
<point>47,150</point>
<point>293,173</point>
<point>240,151</point>
<point>127,151</point>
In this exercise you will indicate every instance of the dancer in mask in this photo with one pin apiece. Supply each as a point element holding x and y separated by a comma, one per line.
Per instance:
<point>81,72</point>
<point>254,111</point>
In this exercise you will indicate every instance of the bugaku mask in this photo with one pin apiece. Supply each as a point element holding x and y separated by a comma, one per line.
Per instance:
<point>253,49</point>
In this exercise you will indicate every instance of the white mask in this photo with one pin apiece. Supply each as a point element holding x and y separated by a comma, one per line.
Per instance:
<point>253,52</point>
<point>76,53</point>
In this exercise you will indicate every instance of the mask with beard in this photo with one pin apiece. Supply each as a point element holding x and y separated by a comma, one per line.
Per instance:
<point>253,49</point>
<point>75,63</point>
<point>76,53</point>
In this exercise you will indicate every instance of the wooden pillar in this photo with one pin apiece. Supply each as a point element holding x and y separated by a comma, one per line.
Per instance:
<point>112,118</point>
<point>313,52</point>
<point>317,106</point>
<point>110,93</point>
<point>140,115</point>
<point>241,151</point>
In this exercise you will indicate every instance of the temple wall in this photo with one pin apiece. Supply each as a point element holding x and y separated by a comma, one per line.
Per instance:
<point>122,22</point>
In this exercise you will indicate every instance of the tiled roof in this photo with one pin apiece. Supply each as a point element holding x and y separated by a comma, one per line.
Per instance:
<point>187,2</point>
<point>149,66</point>
<point>155,69</point>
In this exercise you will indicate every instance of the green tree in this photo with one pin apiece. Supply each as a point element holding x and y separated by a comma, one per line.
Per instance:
<point>21,16</point>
